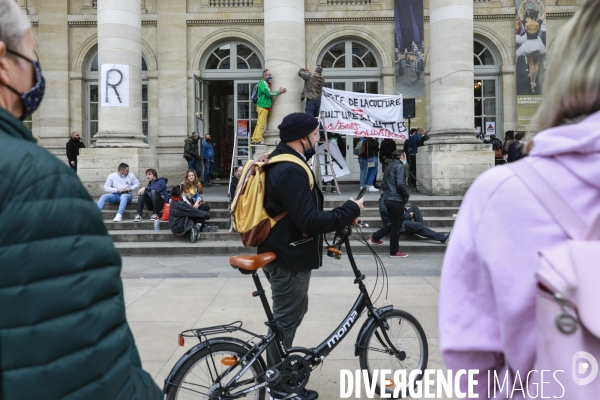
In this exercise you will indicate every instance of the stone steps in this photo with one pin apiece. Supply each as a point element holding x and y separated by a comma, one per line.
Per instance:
<point>208,247</point>
<point>224,213</point>
<point>140,239</point>
<point>165,235</point>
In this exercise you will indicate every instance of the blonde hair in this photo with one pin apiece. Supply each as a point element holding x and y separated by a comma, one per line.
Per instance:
<point>572,80</point>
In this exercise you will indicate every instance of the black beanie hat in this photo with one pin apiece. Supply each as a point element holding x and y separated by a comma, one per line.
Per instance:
<point>296,126</point>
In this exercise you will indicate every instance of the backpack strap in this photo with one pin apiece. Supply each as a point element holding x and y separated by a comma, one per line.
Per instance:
<point>550,199</point>
<point>295,160</point>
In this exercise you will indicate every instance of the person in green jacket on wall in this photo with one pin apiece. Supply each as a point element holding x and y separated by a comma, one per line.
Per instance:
<point>263,105</point>
<point>63,331</point>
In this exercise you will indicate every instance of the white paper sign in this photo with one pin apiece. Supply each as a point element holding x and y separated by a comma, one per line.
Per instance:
<point>335,157</point>
<point>114,85</point>
<point>490,128</point>
<point>363,114</point>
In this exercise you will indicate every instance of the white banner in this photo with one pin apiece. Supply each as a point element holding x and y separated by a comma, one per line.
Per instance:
<point>363,114</point>
<point>114,85</point>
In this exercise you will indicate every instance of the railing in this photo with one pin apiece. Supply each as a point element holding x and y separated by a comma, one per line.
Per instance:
<point>348,2</point>
<point>230,3</point>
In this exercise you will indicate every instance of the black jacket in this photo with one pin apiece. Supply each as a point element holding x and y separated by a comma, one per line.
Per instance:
<point>496,144</point>
<point>73,147</point>
<point>190,150</point>
<point>182,216</point>
<point>394,183</point>
<point>287,189</point>
<point>387,148</point>
<point>515,152</point>
<point>370,147</point>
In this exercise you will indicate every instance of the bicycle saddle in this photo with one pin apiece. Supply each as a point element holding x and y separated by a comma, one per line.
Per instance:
<point>252,263</point>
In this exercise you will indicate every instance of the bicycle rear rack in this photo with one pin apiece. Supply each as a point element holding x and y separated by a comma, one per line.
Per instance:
<point>217,329</point>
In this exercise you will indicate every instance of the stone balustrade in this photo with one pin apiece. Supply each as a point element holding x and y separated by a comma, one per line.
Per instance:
<point>348,2</point>
<point>230,3</point>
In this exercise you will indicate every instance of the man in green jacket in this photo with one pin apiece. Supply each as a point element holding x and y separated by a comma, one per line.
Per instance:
<point>263,105</point>
<point>63,331</point>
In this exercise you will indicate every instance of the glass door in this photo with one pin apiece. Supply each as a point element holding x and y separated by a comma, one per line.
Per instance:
<point>484,97</point>
<point>198,104</point>
<point>245,117</point>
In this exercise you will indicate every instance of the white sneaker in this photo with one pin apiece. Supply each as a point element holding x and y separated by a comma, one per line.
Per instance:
<point>118,218</point>
<point>372,189</point>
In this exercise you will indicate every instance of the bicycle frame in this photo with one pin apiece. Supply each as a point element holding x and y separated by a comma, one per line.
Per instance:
<point>316,355</point>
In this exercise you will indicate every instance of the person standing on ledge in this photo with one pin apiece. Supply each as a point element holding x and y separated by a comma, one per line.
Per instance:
<point>313,88</point>
<point>263,105</point>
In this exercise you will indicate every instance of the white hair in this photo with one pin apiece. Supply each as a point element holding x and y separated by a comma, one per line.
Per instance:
<point>13,24</point>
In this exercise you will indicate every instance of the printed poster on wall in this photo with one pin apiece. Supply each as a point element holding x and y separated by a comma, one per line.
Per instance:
<point>114,85</point>
<point>530,35</point>
<point>363,114</point>
<point>410,55</point>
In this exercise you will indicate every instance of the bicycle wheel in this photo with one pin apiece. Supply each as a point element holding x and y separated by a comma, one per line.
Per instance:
<point>196,378</point>
<point>407,336</point>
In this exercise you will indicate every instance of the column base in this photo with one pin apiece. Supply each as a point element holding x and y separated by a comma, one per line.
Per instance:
<point>95,164</point>
<point>449,169</point>
<point>111,139</point>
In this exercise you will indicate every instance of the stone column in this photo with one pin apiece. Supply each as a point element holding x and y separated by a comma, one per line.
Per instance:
<point>453,157</point>
<point>284,56</point>
<point>172,87</point>
<point>120,42</point>
<point>51,124</point>
<point>120,137</point>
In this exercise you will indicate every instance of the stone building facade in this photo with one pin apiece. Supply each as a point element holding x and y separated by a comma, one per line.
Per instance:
<point>199,60</point>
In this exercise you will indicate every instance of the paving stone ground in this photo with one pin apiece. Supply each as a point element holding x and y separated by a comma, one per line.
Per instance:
<point>166,295</point>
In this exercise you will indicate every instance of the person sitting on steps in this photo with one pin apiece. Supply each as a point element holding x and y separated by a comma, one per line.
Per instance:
<point>192,194</point>
<point>154,196</point>
<point>183,217</point>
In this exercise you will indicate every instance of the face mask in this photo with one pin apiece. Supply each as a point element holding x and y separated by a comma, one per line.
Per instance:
<point>208,140</point>
<point>32,98</point>
<point>123,176</point>
<point>311,150</point>
<point>404,162</point>
<point>270,78</point>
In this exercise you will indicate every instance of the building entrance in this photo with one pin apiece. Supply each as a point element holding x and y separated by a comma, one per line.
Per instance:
<point>231,120</point>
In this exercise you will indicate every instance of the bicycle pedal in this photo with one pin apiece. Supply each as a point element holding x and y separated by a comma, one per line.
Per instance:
<point>335,253</point>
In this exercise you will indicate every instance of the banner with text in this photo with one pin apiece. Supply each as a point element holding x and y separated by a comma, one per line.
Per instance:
<point>530,36</point>
<point>410,54</point>
<point>363,114</point>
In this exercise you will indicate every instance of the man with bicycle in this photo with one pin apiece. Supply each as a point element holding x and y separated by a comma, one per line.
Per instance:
<point>297,239</point>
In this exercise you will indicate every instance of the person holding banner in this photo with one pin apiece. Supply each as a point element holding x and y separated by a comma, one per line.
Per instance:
<point>313,88</point>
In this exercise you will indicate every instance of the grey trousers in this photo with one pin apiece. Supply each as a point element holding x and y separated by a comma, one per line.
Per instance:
<point>289,292</point>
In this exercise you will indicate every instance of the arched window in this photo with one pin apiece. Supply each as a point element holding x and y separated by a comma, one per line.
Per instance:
<point>353,66</point>
<point>485,88</point>
<point>93,93</point>
<point>482,55</point>
<point>348,54</point>
<point>245,57</point>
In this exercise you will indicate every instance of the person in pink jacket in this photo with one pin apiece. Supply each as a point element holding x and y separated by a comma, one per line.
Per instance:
<point>488,288</point>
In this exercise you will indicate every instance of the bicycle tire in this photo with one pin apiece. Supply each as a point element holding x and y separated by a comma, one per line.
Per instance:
<point>202,365</point>
<point>380,360</point>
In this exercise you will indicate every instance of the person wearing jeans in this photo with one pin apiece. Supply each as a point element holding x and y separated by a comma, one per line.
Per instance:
<point>208,154</point>
<point>119,186</point>
<point>154,196</point>
<point>190,153</point>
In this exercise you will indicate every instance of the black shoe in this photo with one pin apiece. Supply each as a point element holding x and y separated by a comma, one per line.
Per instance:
<point>446,237</point>
<point>194,233</point>
<point>376,186</point>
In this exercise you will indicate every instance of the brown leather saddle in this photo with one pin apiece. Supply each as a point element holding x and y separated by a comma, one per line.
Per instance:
<point>248,264</point>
